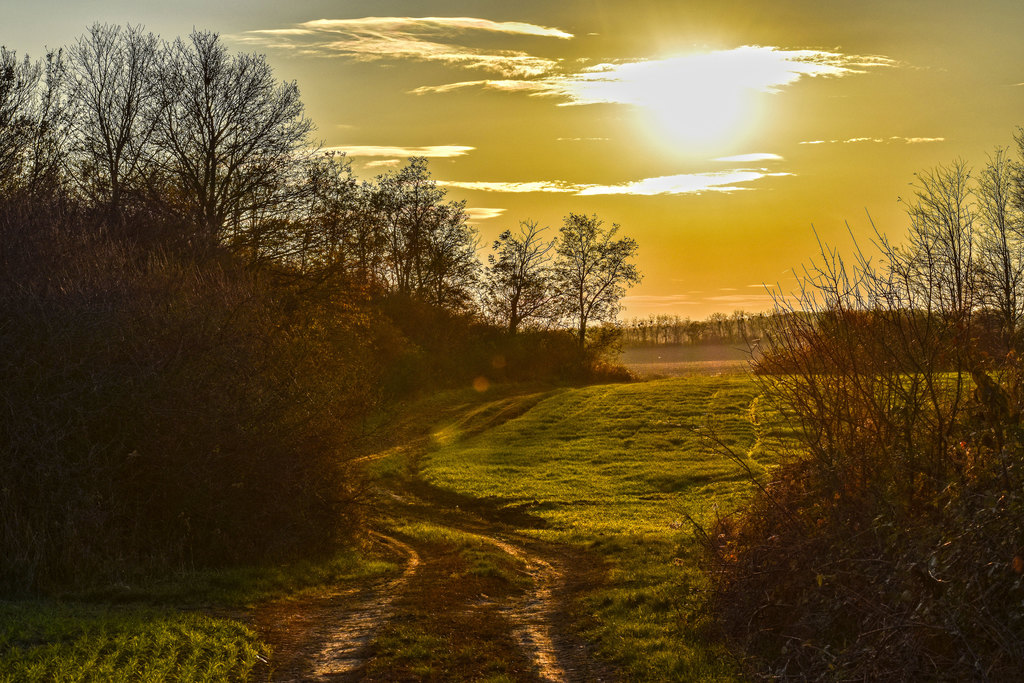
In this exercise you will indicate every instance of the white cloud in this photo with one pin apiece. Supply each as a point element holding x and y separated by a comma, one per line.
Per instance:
<point>749,158</point>
<point>382,163</point>
<point>890,139</point>
<point>534,186</point>
<point>480,213</point>
<point>412,38</point>
<point>685,183</point>
<point>684,80</point>
<point>430,151</point>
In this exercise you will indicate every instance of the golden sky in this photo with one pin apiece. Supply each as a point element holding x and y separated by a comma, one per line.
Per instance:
<point>715,132</point>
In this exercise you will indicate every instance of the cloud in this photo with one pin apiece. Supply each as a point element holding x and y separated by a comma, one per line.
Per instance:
<point>430,151</point>
<point>685,183</point>
<point>382,163</point>
<point>429,39</point>
<point>683,80</point>
<point>480,213</point>
<point>749,158</point>
<point>534,186</point>
<point>888,140</point>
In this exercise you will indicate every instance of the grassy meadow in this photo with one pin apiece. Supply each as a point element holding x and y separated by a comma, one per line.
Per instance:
<point>617,469</point>
<point>185,628</point>
<point>613,473</point>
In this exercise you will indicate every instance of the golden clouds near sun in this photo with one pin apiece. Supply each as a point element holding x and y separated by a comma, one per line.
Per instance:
<point>704,100</point>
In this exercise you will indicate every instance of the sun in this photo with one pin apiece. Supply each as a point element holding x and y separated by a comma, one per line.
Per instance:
<point>698,114</point>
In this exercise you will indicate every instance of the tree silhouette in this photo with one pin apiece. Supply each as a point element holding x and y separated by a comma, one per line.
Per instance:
<point>593,270</point>
<point>518,286</point>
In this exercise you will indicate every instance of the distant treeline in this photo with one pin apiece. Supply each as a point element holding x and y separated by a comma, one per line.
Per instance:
<point>200,314</point>
<point>739,329</point>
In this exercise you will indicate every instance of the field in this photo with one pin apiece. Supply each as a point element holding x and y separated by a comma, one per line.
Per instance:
<point>618,470</point>
<point>520,534</point>
<point>679,361</point>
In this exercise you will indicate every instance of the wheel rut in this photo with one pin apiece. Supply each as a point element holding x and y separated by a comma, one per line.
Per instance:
<point>325,636</point>
<point>331,635</point>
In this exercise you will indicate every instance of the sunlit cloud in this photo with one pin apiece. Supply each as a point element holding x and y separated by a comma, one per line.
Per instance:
<point>534,186</point>
<point>430,39</point>
<point>750,158</point>
<point>685,183</point>
<point>898,139</point>
<point>480,213</point>
<point>430,151</point>
<point>687,79</point>
<point>379,163</point>
<point>699,97</point>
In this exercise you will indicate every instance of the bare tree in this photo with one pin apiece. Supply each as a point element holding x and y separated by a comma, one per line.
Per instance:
<point>34,121</point>
<point>19,80</point>
<point>229,132</point>
<point>939,258</point>
<point>1000,243</point>
<point>113,71</point>
<point>593,270</point>
<point>518,285</point>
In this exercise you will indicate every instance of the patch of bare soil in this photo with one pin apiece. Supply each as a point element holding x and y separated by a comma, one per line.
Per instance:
<point>325,635</point>
<point>444,618</point>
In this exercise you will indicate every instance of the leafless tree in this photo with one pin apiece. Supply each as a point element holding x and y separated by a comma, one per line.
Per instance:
<point>228,135</point>
<point>592,270</point>
<point>939,258</point>
<point>112,79</point>
<point>1000,243</point>
<point>518,284</point>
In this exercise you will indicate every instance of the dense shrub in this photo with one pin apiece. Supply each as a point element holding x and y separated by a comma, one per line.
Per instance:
<point>164,411</point>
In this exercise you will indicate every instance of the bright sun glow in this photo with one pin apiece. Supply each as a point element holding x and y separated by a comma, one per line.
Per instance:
<point>705,100</point>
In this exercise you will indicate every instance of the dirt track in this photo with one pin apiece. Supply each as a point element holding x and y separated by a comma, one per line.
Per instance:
<point>332,635</point>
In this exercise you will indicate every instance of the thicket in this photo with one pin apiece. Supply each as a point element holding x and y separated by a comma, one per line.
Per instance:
<point>200,313</point>
<point>891,546</point>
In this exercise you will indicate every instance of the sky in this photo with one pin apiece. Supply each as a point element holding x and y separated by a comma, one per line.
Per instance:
<point>726,137</point>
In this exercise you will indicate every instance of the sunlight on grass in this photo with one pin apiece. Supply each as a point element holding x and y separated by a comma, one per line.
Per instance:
<point>617,469</point>
<point>74,642</point>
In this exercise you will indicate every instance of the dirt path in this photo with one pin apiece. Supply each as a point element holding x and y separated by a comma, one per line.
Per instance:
<point>332,636</point>
<point>324,636</point>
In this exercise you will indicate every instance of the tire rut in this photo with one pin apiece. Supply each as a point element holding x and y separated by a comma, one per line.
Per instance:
<point>325,636</point>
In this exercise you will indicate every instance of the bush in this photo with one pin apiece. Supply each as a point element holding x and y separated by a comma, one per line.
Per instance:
<point>161,411</point>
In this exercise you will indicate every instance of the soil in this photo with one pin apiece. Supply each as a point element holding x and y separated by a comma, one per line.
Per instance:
<point>437,619</point>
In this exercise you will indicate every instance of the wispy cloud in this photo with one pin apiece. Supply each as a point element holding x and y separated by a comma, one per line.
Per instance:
<point>382,163</point>
<point>430,151</point>
<point>683,79</point>
<point>898,139</point>
<point>533,186</point>
<point>685,183</point>
<point>750,158</point>
<point>432,39</point>
<point>480,213</point>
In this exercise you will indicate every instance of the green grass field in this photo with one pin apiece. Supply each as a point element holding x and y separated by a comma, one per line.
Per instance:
<point>161,630</point>
<point>613,470</point>
<point>617,469</point>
